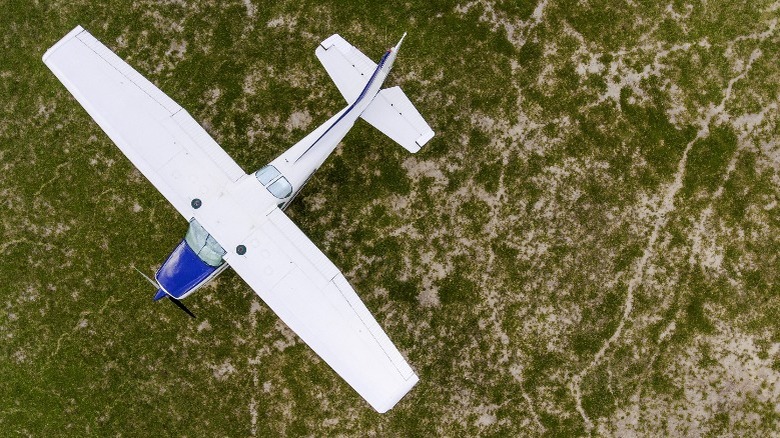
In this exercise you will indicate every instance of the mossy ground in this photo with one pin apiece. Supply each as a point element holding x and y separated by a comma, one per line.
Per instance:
<point>589,244</point>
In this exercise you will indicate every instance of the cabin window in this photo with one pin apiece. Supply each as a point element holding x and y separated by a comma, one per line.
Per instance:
<point>266,174</point>
<point>281,188</point>
<point>201,242</point>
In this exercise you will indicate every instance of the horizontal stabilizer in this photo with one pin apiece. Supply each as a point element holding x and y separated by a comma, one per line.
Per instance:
<point>392,113</point>
<point>349,68</point>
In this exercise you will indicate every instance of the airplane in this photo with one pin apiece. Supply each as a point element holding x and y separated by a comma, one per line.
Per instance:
<point>237,219</point>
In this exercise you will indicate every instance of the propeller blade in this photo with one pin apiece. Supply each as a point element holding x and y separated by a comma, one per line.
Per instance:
<point>181,306</point>
<point>178,303</point>
<point>152,282</point>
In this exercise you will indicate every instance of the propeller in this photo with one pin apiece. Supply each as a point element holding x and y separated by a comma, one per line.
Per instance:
<point>178,303</point>
<point>181,306</point>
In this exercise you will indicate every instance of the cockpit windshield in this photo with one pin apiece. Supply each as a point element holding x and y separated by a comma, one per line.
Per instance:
<point>204,245</point>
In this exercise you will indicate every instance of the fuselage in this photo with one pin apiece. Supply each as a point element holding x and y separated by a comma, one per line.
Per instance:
<point>195,261</point>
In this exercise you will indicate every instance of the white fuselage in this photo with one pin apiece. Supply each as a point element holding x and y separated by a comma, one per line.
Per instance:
<point>251,200</point>
<point>299,162</point>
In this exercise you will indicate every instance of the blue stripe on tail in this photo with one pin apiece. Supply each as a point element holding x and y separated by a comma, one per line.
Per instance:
<point>360,96</point>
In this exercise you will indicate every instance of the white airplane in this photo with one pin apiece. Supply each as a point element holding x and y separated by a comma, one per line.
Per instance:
<point>237,219</point>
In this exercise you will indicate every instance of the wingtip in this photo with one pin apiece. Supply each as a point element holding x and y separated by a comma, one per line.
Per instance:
<point>75,31</point>
<point>390,402</point>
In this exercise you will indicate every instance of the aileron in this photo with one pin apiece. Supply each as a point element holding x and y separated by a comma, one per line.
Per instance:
<point>128,72</point>
<point>327,315</point>
<point>158,137</point>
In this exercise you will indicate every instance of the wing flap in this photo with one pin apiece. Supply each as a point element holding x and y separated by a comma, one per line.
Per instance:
<point>207,144</point>
<point>315,264</point>
<point>327,315</point>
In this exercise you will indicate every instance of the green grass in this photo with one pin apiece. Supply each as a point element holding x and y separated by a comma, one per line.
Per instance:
<point>498,258</point>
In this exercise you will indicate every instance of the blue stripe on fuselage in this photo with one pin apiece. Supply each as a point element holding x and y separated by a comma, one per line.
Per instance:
<point>354,104</point>
<point>182,271</point>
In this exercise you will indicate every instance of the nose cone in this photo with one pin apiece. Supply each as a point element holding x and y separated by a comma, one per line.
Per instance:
<point>183,271</point>
<point>159,295</point>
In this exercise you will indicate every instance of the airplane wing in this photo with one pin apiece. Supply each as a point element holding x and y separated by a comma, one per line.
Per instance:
<point>313,298</point>
<point>160,138</point>
<point>349,68</point>
<point>281,264</point>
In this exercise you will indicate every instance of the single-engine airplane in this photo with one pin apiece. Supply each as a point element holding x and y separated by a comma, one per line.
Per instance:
<point>236,219</point>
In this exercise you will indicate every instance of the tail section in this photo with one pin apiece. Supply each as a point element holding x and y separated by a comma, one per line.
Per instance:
<point>394,114</point>
<point>392,53</point>
<point>390,111</point>
<point>349,68</point>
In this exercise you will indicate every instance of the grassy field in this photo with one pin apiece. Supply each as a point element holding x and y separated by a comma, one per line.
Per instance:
<point>588,246</point>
